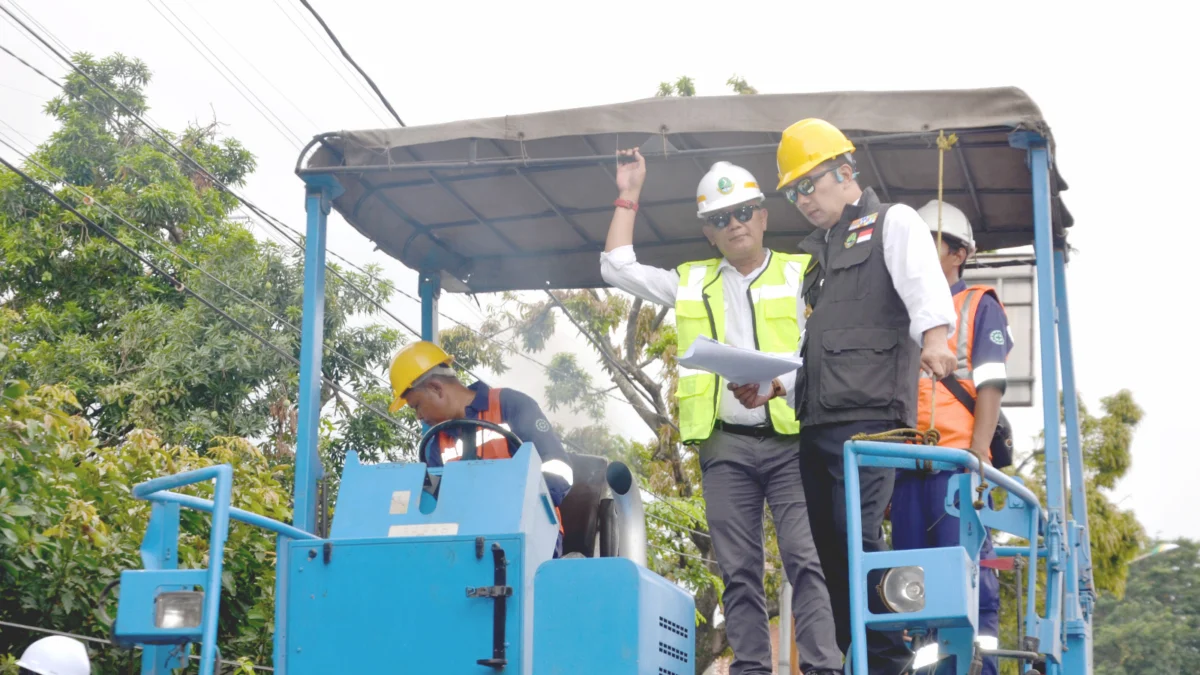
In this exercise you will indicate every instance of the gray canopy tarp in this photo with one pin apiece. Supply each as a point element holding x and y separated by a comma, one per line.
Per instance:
<point>523,202</point>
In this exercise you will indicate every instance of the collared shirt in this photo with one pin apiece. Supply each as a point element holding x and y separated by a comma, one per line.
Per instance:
<point>992,341</point>
<point>910,255</point>
<point>620,268</point>
<point>524,417</point>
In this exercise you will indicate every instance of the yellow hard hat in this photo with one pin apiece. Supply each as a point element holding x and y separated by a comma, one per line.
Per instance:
<point>806,144</point>
<point>409,364</point>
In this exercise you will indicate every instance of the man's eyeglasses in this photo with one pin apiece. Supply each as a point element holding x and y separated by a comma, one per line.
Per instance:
<point>742,213</point>
<point>805,186</point>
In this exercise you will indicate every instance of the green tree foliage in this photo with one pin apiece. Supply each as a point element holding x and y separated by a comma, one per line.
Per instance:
<point>686,86</point>
<point>1155,628</point>
<point>68,524</point>
<point>136,352</point>
<point>112,376</point>
<point>1116,535</point>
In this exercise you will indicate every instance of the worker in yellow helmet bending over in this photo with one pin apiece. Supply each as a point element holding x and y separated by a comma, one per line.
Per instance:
<point>747,297</point>
<point>880,311</point>
<point>423,379</point>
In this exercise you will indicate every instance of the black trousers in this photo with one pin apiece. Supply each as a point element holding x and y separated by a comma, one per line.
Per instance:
<point>821,466</point>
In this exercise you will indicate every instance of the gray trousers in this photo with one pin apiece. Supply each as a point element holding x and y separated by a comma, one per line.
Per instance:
<point>740,473</point>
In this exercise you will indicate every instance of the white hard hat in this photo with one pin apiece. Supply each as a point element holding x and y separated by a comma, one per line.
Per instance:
<point>56,655</point>
<point>954,222</point>
<point>725,185</point>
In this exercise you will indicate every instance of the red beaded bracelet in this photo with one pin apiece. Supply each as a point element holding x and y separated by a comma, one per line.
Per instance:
<point>625,203</point>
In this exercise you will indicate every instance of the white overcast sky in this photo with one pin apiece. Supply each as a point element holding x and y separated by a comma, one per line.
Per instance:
<point>1112,84</point>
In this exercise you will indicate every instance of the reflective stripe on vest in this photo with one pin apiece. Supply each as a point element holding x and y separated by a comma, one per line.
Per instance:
<point>955,423</point>
<point>700,310</point>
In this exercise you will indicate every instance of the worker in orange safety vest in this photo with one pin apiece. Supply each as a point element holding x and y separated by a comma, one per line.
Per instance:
<point>981,343</point>
<point>422,378</point>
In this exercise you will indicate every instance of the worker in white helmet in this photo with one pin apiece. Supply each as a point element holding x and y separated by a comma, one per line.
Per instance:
<point>55,655</point>
<point>966,412</point>
<point>748,442</point>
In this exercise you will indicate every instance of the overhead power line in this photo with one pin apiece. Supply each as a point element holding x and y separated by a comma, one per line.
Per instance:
<point>181,287</point>
<point>242,90</point>
<point>340,72</point>
<point>274,222</point>
<point>346,54</point>
<point>175,253</point>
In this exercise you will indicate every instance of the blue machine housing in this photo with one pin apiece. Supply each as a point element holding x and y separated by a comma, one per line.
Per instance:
<point>401,577</point>
<point>609,616</point>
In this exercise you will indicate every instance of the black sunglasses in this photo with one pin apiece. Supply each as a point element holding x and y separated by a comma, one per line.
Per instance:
<point>805,186</point>
<point>743,213</point>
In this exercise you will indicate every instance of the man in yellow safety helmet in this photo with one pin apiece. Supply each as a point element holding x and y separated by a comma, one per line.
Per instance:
<point>879,311</point>
<point>747,297</point>
<point>422,378</point>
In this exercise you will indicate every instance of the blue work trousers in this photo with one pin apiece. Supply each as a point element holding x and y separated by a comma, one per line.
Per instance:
<point>919,520</point>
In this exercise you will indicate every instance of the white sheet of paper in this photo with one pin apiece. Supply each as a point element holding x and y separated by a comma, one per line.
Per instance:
<point>738,365</point>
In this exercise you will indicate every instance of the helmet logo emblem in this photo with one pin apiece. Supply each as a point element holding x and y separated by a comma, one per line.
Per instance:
<point>724,186</point>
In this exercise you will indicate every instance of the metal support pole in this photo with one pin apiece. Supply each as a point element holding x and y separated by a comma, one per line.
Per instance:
<point>1039,166</point>
<point>160,552</point>
<point>1071,415</point>
<point>858,594</point>
<point>319,195</point>
<point>430,289</point>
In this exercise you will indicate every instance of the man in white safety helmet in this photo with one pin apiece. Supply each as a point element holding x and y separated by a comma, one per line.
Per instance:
<point>748,442</point>
<point>55,655</point>
<point>966,412</point>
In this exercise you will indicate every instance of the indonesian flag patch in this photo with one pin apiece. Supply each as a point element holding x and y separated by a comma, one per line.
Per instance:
<point>865,235</point>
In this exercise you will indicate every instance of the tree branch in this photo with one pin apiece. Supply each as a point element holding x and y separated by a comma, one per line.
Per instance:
<point>658,318</point>
<point>631,330</point>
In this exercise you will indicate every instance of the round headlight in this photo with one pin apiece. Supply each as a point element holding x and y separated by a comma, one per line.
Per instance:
<point>903,589</point>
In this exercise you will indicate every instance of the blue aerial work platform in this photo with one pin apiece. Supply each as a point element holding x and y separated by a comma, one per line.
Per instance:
<point>450,571</point>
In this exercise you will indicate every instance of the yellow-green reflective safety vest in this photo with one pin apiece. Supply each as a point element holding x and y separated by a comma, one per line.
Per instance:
<point>700,310</point>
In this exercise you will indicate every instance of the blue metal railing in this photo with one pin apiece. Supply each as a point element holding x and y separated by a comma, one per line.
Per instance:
<point>158,490</point>
<point>903,456</point>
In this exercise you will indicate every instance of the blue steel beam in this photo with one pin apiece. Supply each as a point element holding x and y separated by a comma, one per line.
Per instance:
<point>320,192</point>
<point>1071,414</point>
<point>160,551</point>
<point>247,517</point>
<point>430,288</point>
<point>1059,556</point>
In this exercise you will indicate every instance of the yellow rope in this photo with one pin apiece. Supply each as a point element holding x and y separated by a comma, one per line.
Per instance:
<point>945,143</point>
<point>930,436</point>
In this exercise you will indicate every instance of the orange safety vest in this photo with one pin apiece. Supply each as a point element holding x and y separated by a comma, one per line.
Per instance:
<point>955,423</point>
<point>494,447</point>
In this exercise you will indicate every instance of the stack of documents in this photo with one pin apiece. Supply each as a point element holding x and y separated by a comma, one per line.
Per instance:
<point>738,365</point>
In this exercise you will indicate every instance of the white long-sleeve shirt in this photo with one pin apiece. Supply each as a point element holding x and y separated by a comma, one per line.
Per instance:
<point>620,268</point>
<point>911,257</point>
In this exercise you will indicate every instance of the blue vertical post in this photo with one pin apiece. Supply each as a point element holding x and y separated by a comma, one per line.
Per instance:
<point>430,288</point>
<point>279,655</point>
<point>1078,657</point>
<point>858,596</point>
<point>222,496</point>
<point>159,552</point>
<point>1071,416</point>
<point>1039,166</point>
<point>319,195</point>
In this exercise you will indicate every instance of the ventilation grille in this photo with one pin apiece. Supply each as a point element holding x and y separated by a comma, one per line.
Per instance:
<point>675,628</point>
<point>672,652</point>
<point>664,671</point>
